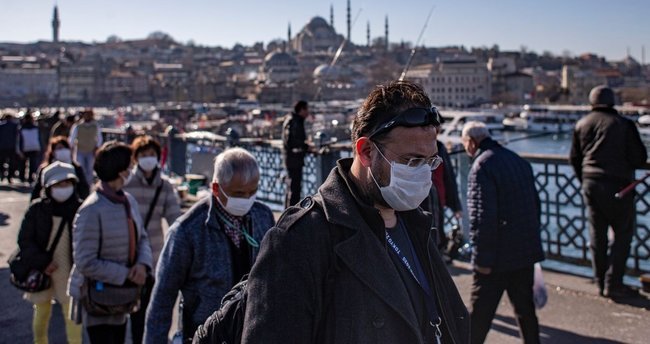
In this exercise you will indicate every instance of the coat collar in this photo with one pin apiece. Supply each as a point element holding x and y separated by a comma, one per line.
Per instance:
<point>365,252</point>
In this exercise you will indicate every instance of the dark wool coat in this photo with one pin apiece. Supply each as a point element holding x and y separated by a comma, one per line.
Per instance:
<point>504,210</point>
<point>324,275</point>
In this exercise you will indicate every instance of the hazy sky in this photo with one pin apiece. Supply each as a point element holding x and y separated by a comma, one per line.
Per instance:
<point>605,27</point>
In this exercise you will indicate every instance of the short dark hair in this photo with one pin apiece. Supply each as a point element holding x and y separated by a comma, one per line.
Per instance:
<point>384,102</point>
<point>301,104</point>
<point>112,158</point>
<point>144,142</point>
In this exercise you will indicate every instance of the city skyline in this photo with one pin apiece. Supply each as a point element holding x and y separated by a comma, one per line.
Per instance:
<point>605,28</point>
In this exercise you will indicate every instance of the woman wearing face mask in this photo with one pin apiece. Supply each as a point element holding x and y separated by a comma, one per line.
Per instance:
<point>157,200</point>
<point>59,150</point>
<point>110,243</point>
<point>47,219</point>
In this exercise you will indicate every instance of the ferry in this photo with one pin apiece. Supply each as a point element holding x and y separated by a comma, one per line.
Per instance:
<point>551,118</point>
<point>558,118</point>
<point>643,123</point>
<point>454,121</point>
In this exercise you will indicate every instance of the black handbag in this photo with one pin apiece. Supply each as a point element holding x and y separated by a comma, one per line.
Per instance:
<point>103,299</point>
<point>23,276</point>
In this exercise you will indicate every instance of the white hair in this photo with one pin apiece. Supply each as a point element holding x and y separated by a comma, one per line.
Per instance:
<point>475,130</point>
<point>235,161</point>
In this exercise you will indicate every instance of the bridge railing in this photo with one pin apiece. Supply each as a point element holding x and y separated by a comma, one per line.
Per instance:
<point>565,233</point>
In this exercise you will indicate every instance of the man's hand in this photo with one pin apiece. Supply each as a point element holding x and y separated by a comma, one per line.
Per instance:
<point>483,270</point>
<point>138,274</point>
<point>50,268</point>
<point>458,215</point>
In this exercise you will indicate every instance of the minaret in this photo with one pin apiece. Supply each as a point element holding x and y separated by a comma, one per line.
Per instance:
<point>643,55</point>
<point>289,32</point>
<point>288,38</point>
<point>332,15</point>
<point>349,25</point>
<point>386,32</point>
<point>368,34</point>
<point>55,25</point>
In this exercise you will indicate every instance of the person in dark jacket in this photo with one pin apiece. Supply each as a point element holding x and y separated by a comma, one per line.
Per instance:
<point>357,263</point>
<point>44,219</point>
<point>504,214</point>
<point>605,151</point>
<point>8,144</point>
<point>294,148</point>
<point>59,150</point>
<point>209,248</point>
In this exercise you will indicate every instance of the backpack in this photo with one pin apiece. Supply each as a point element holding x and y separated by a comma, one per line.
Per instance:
<point>226,325</point>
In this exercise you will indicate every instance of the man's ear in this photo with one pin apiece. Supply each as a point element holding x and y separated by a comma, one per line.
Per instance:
<point>215,188</point>
<point>363,148</point>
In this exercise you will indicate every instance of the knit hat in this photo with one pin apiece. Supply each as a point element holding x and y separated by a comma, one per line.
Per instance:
<point>57,172</point>
<point>602,96</point>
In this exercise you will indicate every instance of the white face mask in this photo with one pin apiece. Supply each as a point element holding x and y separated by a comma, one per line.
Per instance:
<point>148,163</point>
<point>237,206</point>
<point>61,194</point>
<point>63,155</point>
<point>408,187</point>
<point>128,177</point>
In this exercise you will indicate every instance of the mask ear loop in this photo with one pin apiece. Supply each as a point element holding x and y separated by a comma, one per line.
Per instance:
<point>388,161</point>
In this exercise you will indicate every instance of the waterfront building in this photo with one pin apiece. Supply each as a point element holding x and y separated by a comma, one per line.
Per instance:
<point>454,82</point>
<point>577,82</point>
<point>29,83</point>
<point>80,81</point>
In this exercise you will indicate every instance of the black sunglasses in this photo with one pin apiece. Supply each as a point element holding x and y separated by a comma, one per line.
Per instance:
<point>412,117</point>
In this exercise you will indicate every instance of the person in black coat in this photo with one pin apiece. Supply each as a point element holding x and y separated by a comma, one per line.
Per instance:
<point>357,262</point>
<point>605,151</point>
<point>504,213</point>
<point>59,150</point>
<point>294,148</point>
<point>46,219</point>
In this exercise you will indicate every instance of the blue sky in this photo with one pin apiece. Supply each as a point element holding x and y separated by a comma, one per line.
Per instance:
<point>604,27</point>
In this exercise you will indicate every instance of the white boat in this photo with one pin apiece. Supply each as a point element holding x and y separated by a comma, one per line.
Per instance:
<point>454,121</point>
<point>644,126</point>
<point>552,118</point>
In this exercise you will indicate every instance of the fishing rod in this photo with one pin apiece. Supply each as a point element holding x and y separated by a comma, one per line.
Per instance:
<point>410,60</point>
<point>338,53</point>
<point>627,189</point>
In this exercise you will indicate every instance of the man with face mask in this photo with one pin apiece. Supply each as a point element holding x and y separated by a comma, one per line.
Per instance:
<point>209,248</point>
<point>504,216</point>
<point>357,262</point>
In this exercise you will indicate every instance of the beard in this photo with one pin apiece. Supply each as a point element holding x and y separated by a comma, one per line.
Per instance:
<point>381,173</point>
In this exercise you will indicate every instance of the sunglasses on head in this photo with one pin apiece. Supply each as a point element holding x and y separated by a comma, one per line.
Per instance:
<point>412,117</point>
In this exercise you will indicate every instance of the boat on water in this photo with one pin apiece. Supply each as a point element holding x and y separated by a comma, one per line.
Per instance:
<point>454,121</point>
<point>557,118</point>
<point>643,123</point>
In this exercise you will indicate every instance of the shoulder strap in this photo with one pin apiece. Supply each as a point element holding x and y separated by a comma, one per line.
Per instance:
<point>59,232</point>
<point>153,205</point>
<point>101,230</point>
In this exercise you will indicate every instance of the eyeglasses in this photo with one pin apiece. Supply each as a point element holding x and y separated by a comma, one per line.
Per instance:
<point>412,117</point>
<point>433,162</point>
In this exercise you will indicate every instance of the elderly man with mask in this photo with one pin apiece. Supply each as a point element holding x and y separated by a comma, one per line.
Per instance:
<point>357,263</point>
<point>209,248</point>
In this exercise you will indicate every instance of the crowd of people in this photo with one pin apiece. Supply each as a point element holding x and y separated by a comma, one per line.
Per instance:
<point>361,261</point>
